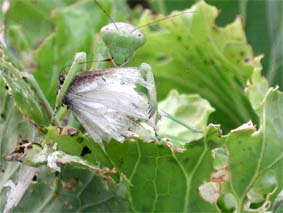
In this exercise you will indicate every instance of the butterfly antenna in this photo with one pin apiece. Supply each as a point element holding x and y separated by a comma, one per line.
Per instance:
<point>162,19</point>
<point>105,12</point>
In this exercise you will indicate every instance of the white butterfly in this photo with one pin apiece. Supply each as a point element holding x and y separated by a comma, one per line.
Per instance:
<point>108,104</point>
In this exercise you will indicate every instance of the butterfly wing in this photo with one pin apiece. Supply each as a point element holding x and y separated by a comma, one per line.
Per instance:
<point>108,104</point>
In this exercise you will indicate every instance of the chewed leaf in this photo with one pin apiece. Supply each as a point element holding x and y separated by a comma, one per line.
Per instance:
<point>210,191</point>
<point>79,189</point>
<point>58,158</point>
<point>74,143</point>
<point>235,172</point>
<point>32,154</point>
<point>45,153</point>
<point>256,88</point>
<point>257,159</point>
<point>220,156</point>
<point>241,171</point>
<point>154,171</point>
<point>203,58</point>
<point>71,181</point>
<point>278,203</point>
<point>14,180</point>
<point>17,191</point>
<point>190,110</point>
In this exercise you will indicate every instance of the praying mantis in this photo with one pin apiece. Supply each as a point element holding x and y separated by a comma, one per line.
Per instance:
<point>105,101</point>
<point>106,117</point>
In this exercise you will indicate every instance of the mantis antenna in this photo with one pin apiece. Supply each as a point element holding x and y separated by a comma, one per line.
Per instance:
<point>162,19</point>
<point>167,115</point>
<point>100,6</point>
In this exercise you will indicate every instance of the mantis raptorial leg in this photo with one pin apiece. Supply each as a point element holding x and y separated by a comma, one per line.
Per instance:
<point>77,66</point>
<point>147,73</point>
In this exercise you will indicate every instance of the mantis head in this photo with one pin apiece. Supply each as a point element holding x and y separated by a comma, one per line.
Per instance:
<point>122,40</point>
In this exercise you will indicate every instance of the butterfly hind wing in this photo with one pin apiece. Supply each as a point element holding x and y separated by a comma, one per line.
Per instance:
<point>102,123</point>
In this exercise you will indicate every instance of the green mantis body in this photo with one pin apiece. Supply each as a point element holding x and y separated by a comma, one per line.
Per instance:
<point>119,41</point>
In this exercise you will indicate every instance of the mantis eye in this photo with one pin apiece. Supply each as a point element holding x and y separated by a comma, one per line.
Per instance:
<point>105,29</point>
<point>139,39</point>
<point>139,35</point>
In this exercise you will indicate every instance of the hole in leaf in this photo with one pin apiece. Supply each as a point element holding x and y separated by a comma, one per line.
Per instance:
<point>85,151</point>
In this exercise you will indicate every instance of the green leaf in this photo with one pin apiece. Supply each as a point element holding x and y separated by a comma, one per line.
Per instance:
<point>82,191</point>
<point>35,27</point>
<point>24,96</point>
<point>256,88</point>
<point>278,204</point>
<point>205,59</point>
<point>270,42</point>
<point>237,172</point>
<point>18,43</point>
<point>73,190</point>
<point>267,13</point>
<point>12,128</point>
<point>190,110</point>
<point>212,171</point>
<point>76,144</point>
<point>257,181</point>
<point>163,180</point>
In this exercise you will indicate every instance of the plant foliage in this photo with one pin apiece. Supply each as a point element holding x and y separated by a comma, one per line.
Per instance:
<point>207,77</point>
